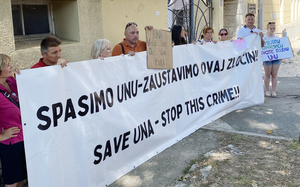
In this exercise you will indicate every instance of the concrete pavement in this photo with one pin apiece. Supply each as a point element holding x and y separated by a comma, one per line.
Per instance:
<point>280,114</point>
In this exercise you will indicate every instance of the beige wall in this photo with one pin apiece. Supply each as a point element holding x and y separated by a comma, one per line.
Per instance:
<point>271,12</point>
<point>66,27</point>
<point>234,15</point>
<point>117,13</point>
<point>285,16</point>
<point>218,13</point>
<point>287,11</point>
<point>6,28</point>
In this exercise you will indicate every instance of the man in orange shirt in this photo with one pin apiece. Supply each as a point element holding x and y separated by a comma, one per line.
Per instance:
<point>131,43</point>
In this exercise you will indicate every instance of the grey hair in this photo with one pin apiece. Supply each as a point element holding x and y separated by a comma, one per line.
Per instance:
<point>98,46</point>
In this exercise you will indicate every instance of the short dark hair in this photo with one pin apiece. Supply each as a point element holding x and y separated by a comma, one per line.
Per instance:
<point>49,41</point>
<point>249,14</point>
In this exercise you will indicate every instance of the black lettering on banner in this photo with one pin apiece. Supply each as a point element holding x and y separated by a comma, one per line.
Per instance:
<point>92,103</point>
<point>188,71</point>
<point>168,72</point>
<point>97,154</point>
<point>194,105</point>
<point>180,72</point>
<point>195,70</point>
<point>110,100</point>
<point>117,143</point>
<point>174,78</point>
<point>145,85</point>
<point>238,60</point>
<point>223,65</point>
<point>108,150</point>
<point>99,100</point>
<point>203,68</point>
<point>233,60</point>
<point>164,78</point>
<point>70,112</point>
<point>56,114</point>
<point>160,81</point>
<point>172,113</point>
<point>143,130</point>
<point>243,63</point>
<point>228,94</point>
<point>125,139</point>
<point>230,61</point>
<point>83,105</point>
<point>42,117</point>
<point>217,66</point>
<point>209,66</point>
<point>152,84</point>
<point>251,56</point>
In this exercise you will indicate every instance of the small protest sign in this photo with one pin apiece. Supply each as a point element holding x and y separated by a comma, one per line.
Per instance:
<point>159,49</point>
<point>276,49</point>
<point>240,44</point>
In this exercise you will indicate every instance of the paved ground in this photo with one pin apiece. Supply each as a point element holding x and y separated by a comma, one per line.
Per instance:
<point>281,115</point>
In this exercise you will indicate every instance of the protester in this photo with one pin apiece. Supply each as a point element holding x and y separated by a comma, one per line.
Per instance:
<point>223,35</point>
<point>206,36</point>
<point>12,152</point>
<point>271,67</point>
<point>51,52</point>
<point>249,28</point>
<point>178,35</point>
<point>131,43</point>
<point>101,49</point>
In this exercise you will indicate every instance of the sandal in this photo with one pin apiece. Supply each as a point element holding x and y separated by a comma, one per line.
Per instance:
<point>274,94</point>
<point>268,94</point>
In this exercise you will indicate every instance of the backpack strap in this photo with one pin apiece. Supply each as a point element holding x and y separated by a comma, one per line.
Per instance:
<point>123,51</point>
<point>8,97</point>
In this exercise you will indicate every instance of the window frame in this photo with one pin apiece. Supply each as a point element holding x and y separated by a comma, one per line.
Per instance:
<point>32,2</point>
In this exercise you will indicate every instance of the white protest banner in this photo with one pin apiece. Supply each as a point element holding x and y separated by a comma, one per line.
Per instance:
<point>93,121</point>
<point>276,49</point>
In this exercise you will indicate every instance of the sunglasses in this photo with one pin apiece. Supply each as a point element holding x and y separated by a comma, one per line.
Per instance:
<point>224,34</point>
<point>129,24</point>
<point>271,22</point>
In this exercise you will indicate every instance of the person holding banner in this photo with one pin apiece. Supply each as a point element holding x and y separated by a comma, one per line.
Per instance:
<point>101,49</point>
<point>206,36</point>
<point>51,52</point>
<point>131,43</point>
<point>178,35</point>
<point>12,151</point>
<point>249,28</point>
<point>271,67</point>
<point>223,35</point>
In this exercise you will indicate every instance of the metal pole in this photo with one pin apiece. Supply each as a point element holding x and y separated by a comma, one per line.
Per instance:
<point>191,37</point>
<point>210,14</point>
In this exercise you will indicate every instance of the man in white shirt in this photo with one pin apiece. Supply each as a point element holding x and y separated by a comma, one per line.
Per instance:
<point>249,28</point>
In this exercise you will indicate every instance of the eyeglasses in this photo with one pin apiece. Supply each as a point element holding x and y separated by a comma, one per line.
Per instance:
<point>224,34</point>
<point>271,23</point>
<point>129,24</point>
